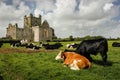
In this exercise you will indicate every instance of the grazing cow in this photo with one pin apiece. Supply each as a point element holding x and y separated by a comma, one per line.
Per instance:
<point>52,46</point>
<point>15,44</point>
<point>87,47</point>
<point>73,60</point>
<point>22,43</point>
<point>18,44</point>
<point>115,44</point>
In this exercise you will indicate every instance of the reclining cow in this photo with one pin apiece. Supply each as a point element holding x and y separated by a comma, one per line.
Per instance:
<point>52,46</point>
<point>33,46</point>
<point>73,60</point>
<point>115,44</point>
<point>87,47</point>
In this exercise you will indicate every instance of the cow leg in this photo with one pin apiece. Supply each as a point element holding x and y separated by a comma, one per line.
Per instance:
<point>74,65</point>
<point>88,57</point>
<point>104,58</point>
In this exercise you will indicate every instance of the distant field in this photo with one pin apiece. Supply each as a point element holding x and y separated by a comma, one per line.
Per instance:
<point>26,64</point>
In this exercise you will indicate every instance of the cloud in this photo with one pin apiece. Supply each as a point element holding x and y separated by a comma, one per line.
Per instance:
<point>68,17</point>
<point>92,17</point>
<point>44,7</point>
<point>11,14</point>
<point>107,6</point>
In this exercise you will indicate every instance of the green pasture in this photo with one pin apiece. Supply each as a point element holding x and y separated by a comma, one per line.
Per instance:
<point>43,66</point>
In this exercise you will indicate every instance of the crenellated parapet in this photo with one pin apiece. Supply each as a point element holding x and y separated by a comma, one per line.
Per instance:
<point>14,32</point>
<point>31,20</point>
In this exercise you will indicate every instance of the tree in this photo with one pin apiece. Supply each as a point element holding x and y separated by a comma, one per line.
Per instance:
<point>71,38</point>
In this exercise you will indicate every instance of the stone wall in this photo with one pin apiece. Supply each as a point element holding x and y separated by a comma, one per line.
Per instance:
<point>33,30</point>
<point>14,32</point>
<point>36,33</point>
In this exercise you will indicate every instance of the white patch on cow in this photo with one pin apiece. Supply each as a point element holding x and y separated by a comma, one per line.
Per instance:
<point>68,45</point>
<point>74,65</point>
<point>59,57</point>
<point>79,60</point>
<point>71,47</point>
<point>11,45</point>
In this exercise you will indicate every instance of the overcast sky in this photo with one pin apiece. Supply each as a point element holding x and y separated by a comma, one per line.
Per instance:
<point>68,17</point>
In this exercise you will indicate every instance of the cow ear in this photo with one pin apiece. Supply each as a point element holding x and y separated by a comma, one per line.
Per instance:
<point>63,55</point>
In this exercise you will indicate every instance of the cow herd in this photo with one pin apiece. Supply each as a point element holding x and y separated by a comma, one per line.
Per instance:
<point>33,46</point>
<point>76,59</point>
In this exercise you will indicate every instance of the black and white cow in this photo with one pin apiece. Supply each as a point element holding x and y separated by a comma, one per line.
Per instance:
<point>22,43</point>
<point>87,47</point>
<point>15,44</point>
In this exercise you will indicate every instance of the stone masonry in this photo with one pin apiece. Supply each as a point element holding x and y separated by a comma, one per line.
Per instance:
<point>33,30</point>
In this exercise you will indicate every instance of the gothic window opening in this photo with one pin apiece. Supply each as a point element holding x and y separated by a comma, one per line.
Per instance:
<point>45,33</point>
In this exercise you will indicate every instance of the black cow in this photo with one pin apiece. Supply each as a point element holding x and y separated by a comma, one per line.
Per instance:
<point>32,46</point>
<point>116,44</point>
<point>52,46</point>
<point>87,47</point>
<point>1,44</point>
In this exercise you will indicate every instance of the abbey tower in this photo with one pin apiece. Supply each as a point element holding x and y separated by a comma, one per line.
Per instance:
<point>33,30</point>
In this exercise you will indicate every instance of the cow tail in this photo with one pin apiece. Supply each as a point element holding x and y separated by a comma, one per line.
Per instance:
<point>89,64</point>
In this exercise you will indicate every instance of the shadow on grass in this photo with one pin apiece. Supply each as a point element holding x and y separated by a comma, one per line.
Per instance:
<point>100,62</point>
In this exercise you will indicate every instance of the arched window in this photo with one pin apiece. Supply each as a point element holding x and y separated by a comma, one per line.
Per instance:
<point>46,33</point>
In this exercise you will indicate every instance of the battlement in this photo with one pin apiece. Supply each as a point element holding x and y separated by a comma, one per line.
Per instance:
<point>13,26</point>
<point>14,31</point>
<point>31,20</point>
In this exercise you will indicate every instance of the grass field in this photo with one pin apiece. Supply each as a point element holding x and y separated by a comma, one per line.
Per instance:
<point>24,64</point>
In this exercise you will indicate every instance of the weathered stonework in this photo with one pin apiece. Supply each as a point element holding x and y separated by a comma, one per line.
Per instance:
<point>33,30</point>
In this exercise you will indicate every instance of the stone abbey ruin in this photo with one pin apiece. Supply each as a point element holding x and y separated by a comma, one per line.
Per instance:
<point>33,30</point>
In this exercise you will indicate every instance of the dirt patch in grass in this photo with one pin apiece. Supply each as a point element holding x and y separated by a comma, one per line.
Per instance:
<point>22,50</point>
